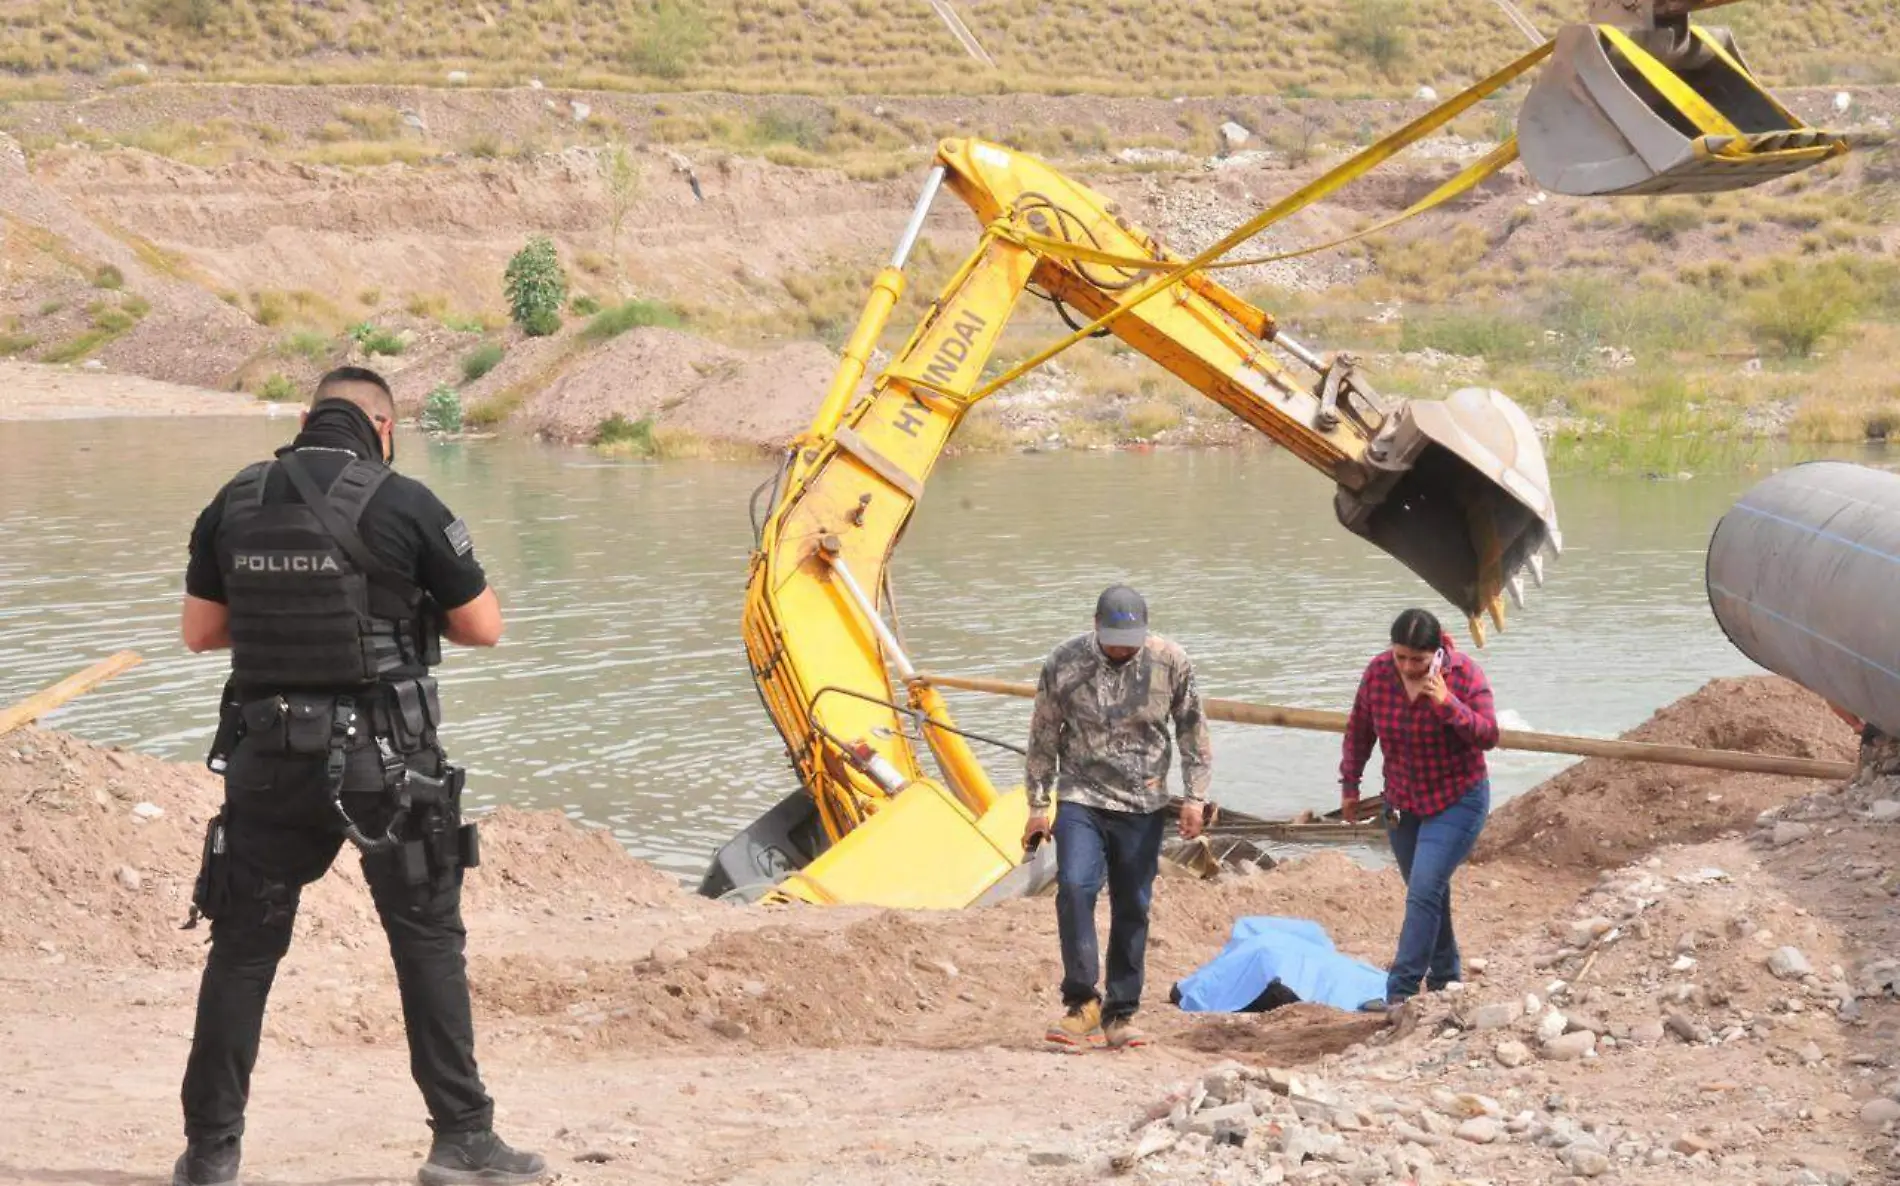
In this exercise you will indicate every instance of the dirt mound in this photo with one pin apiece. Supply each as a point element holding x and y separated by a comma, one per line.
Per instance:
<point>190,335</point>
<point>104,850</point>
<point>683,381</point>
<point>1601,813</point>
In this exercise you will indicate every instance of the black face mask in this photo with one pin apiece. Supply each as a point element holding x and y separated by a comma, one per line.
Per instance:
<point>339,424</point>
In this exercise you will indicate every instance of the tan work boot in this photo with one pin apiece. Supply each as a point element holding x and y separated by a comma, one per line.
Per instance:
<point>1121,1034</point>
<point>1079,1029</point>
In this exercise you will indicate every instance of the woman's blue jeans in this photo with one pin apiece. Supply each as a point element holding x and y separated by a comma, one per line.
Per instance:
<point>1429,849</point>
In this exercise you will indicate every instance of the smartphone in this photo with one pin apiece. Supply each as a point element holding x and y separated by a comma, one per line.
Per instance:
<point>1438,661</point>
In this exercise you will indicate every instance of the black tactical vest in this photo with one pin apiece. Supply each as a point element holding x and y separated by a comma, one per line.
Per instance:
<point>311,607</point>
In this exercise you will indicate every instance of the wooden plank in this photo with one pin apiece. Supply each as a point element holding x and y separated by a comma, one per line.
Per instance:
<point>78,684</point>
<point>1321,720</point>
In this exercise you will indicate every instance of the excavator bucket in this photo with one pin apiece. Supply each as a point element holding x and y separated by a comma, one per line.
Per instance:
<point>1461,497</point>
<point>1662,111</point>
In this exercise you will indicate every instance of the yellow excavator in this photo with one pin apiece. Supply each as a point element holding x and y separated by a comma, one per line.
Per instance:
<point>1456,489</point>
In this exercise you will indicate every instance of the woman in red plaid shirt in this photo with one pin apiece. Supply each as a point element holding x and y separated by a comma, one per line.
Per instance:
<point>1428,707</point>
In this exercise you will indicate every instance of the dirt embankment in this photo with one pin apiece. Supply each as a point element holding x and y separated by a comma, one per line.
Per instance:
<point>641,1034</point>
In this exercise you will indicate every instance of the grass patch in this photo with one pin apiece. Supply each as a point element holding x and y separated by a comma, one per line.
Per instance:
<point>1151,418</point>
<point>376,340</point>
<point>12,343</point>
<point>109,278</point>
<point>481,360</point>
<point>278,389</point>
<point>109,321</point>
<point>307,343</point>
<point>611,322</point>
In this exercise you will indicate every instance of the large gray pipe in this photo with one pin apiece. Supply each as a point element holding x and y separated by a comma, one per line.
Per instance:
<point>1804,577</point>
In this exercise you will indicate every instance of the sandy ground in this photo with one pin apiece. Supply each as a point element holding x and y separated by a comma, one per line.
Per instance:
<point>32,392</point>
<point>636,1033</point>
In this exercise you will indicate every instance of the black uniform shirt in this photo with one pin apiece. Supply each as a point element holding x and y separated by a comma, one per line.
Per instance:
<point>405,525</point>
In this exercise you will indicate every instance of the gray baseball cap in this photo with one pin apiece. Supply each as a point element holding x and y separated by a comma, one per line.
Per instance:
<point>1121,617</point>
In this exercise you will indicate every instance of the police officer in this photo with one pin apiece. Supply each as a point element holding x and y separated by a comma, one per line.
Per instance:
<point>332,579</point>
<point>1099,739</point>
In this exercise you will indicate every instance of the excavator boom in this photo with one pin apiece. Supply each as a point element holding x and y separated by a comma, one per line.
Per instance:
<point>1455,489</point>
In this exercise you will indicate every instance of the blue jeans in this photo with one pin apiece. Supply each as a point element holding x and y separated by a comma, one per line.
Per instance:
<point>1429,849</point>
<point>1123,849</point>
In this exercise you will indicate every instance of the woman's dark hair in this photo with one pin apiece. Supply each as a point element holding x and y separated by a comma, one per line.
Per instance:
<point>1417,629</point>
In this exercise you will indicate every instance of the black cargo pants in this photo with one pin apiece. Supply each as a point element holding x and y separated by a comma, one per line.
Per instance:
<point>277,844</point>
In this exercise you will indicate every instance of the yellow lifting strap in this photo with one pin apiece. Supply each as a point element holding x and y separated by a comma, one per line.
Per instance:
<point>1680,94</point>
<point>1478,171</point>
<point>1322,186</point>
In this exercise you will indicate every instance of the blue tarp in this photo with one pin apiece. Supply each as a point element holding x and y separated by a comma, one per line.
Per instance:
<point>1295,951</point>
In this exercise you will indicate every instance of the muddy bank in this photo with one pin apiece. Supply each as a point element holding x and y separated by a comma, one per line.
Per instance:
<point>32,392</point>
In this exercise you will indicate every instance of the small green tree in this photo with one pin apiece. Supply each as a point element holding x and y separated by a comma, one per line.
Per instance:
<point>442,411</point>
<point>536,287</point>
<point>622,174</point>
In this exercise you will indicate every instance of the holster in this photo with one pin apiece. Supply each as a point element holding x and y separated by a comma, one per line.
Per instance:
<point>211,893</point>
<point>230,730</point>
<point>444,843</point>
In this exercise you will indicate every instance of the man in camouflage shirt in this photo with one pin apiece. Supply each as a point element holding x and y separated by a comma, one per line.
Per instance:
<point>1099,740</point>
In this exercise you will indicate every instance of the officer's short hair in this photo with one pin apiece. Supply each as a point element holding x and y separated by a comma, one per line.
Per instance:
<point>360,386</point>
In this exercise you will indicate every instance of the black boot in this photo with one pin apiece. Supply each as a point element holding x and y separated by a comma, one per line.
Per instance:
<point>208,1163</point>
<point>479,1159</point>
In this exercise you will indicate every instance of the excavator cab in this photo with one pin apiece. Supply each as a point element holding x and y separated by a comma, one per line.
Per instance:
<point>1648,103</point>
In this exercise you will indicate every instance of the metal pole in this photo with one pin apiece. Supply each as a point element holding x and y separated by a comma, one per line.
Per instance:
<point>1324,721</point>
<point>916,224</point>
<point>883,631</point>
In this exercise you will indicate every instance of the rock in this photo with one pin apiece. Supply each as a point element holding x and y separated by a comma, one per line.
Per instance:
<point>458,78</point>
<point>1438,1124</point>
<point>667,953</point>
<point>1788,832</point>
<point>1582,934</point>
<point>1476,966</point>
<point>1552,1026</point>
<point>752,988</point>
<point>1532,1006</point>
<point>1880,1111</point>
<point>1810,1053</point>
<point>1647,1032</point>
<point>579,110</point>
<point>943,967</point>
<point>1232,135</point>
<point>1053,1157</point>
<point>1585,1161</point>
<point>534,84</point>
<point>1883,811</point>
<point>725,1027</point>
<point>147,811</point>
<point>1583,1021</point>
<point>1787,963</point>
<point>1513,1053</point>
<point>1570,1047</point>
<point>1479,1130</point>
<point>1278,1081</point>
<point>129,878</point>
<point>1425,94</point>
<point>594,1157</point>
<point>1686,944</point>
<point>1684,963</point>
<point>1208,1120</point>
<point>1495,1017</point>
